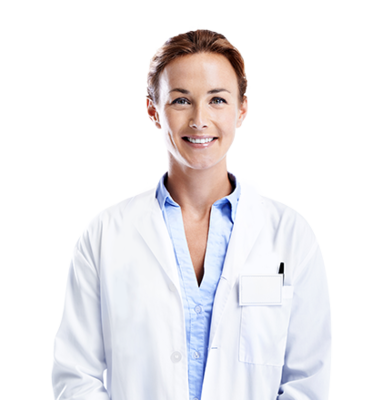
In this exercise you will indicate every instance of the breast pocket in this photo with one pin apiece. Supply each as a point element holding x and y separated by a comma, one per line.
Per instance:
<point>263,331</point>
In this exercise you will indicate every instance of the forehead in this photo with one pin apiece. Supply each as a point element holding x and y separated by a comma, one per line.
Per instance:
<point>202,71</point>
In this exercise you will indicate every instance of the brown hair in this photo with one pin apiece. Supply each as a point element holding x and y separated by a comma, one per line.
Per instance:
<point>193,42</point>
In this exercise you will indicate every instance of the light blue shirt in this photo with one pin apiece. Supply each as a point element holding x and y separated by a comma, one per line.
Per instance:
<point>198,301</point>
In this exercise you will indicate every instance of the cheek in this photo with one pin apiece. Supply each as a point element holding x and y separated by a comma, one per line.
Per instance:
<point>171,127</point>
<point>228,122</point>
<point>173,121</point>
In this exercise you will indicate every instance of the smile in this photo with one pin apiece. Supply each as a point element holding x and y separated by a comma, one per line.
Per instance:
<point>205,140</point>
<point>200,143</point>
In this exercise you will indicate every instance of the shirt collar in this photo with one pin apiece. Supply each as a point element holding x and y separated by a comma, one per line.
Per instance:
<point>162,195</point>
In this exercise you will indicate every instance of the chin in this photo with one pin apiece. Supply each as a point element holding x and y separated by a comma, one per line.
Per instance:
<point>203,165</point>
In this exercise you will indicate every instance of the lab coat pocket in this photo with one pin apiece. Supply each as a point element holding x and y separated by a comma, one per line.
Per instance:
<point>263,331</point>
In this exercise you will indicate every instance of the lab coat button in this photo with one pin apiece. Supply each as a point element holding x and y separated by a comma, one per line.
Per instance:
<point>198,309</point>
<point>176,357</point>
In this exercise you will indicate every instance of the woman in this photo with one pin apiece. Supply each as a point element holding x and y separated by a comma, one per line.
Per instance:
<point>200,289</point>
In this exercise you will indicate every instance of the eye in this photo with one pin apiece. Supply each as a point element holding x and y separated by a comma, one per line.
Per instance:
<point>181,101</point>
<point>218,100</point>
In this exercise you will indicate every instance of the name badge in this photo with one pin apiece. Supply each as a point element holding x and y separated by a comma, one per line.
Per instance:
<point>260,290</point>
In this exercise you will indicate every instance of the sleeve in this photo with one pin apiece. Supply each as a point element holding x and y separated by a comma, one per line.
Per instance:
<point>79,358</point>
<point>306,370</point>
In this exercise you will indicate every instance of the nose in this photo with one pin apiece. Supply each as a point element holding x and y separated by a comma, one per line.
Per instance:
<point>199,119</point>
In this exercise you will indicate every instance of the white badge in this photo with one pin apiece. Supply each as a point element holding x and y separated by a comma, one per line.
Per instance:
<point>260,290</point>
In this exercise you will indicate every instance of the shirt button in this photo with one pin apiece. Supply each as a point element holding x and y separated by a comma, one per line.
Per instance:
<point>176,357</point>
<point>196,355</point>
<point>198,309</point>
<point>195,398</point>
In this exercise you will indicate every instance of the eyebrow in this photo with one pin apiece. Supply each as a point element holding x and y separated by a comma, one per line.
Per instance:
<point>184,91</point>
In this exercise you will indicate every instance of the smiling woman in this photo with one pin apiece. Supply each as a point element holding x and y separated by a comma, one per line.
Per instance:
<point>196,97</point>
<point>200,288</point>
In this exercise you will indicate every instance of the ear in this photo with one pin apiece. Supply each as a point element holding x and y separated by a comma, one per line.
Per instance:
<point>243,109</point>
<point>153,113</point>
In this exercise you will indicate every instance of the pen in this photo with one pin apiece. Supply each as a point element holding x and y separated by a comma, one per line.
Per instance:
<point>281,270</point>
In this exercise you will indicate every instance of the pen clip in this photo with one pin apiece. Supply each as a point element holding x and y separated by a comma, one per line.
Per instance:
<point>281,270</point>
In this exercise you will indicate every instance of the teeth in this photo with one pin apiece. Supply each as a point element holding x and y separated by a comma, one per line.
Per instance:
<point>200,140</point>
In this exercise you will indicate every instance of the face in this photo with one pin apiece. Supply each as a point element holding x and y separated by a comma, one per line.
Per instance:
<point>198,109</point>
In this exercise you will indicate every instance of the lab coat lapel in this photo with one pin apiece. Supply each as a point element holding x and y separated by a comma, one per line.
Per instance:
<point>248,224</point>
<point>153,229</point>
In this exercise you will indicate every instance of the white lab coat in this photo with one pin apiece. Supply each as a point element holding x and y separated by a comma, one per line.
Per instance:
<point>124,312</point>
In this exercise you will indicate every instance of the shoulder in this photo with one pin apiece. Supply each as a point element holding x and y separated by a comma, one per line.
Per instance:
<point>284,216</point>
<point>114,217</point>
<point>288,230</point>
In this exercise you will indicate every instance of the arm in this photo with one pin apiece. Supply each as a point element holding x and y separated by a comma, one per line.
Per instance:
<point>306,370</point>
<point>79,359</point>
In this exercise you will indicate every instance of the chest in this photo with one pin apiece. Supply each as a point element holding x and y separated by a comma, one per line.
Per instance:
<point>196,232</point>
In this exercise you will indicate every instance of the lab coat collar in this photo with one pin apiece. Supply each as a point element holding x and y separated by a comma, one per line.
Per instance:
<point>151,225</point>
<point>249,222</point>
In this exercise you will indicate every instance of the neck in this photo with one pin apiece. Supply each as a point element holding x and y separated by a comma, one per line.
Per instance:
<point>198,189</point>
